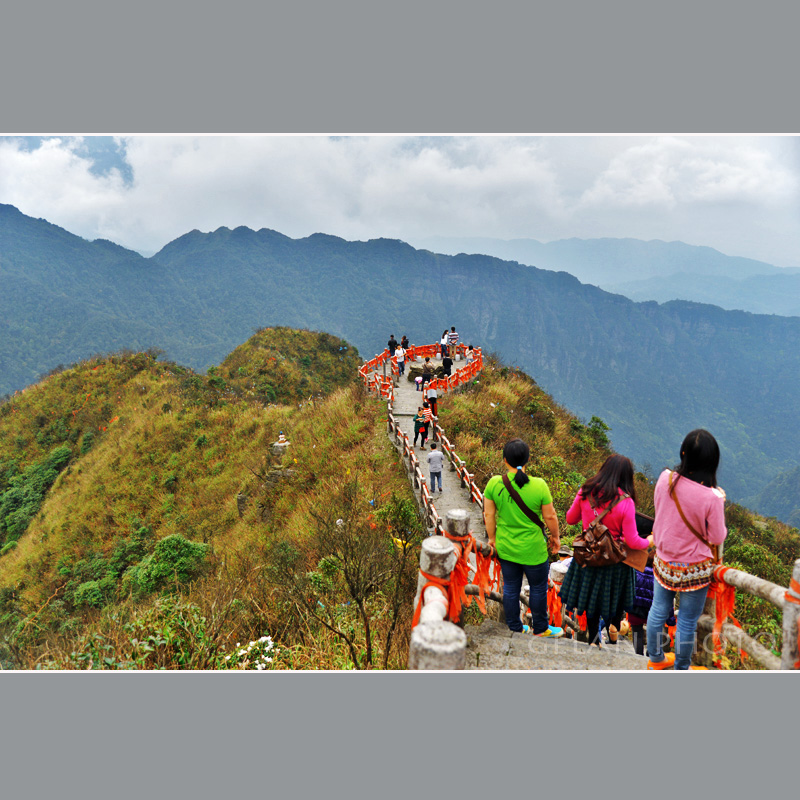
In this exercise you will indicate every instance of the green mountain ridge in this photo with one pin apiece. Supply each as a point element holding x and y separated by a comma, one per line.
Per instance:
<point>653,372</point>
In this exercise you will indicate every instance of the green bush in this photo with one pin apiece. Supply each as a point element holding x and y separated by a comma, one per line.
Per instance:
<point>89,594</point>
<point>175,560</point>
<point>21,501</point>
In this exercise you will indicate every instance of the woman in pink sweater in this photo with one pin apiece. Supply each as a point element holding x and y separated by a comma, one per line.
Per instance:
<point>606,591</point>
<point>690,517</point>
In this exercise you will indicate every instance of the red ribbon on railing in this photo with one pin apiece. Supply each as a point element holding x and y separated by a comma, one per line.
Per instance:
<point>431,580</point>
<point>724,596</point>
<point>554,605</point>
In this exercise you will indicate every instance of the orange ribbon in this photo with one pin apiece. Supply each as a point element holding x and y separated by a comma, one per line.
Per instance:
<point>724,596</point>
<point>431,580</point>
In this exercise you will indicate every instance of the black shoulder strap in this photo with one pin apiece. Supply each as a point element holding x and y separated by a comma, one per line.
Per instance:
<point>521,503</point>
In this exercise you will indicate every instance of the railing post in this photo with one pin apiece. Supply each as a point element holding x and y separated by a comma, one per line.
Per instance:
<point>790,654</point>
<point>456,522</point>
<point>435,642</point>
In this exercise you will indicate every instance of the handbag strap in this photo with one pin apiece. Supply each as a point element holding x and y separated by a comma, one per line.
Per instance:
<point>605,511</point>
<point>531,515</point>
<point>714,548</point>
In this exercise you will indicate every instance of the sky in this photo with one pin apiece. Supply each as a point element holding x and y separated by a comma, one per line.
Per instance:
<point>737,194</point>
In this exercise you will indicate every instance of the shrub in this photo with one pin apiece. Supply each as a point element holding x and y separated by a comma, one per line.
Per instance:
<point>175,559</point>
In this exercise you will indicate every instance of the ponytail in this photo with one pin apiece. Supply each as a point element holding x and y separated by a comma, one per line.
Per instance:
<point>516,453</point>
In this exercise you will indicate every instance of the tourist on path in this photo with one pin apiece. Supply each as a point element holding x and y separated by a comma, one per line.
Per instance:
<point>427,416</point>
<point>432,396</point>
<point>435,462</point>
<point>521,545</point>
<point>400,354</point>
<point>470,354</point>
<point>419,426</point>
<point>452,341</point>
<point>392,345</point>
<point>443,342</point>
<point>404,342</point>
<point>427,372</point>
<point>606,591</point>
<point>690,517</point>
<point>447,365</point>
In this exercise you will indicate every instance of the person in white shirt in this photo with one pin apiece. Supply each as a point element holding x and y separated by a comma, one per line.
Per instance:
<point>401,359</point>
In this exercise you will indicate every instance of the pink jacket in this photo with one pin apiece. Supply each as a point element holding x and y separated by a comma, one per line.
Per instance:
<point>703,507</point>
<point>621,520</point>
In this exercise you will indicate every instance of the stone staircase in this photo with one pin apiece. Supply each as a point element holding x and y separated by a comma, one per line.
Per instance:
<point>492,646</point>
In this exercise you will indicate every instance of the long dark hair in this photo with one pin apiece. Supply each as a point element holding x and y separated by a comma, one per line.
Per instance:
<point>615,474</point>
<point>517,453</point>
<point>699,459</point>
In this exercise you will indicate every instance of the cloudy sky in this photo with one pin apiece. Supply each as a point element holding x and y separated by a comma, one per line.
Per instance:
<point>738,194</point>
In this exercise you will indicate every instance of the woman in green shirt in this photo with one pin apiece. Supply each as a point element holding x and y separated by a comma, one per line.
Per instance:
<point>521,545</point>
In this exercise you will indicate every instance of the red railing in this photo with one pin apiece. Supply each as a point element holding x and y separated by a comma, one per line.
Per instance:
<point>383,385</point>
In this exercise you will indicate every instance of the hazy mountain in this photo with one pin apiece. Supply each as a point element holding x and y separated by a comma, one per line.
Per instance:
<point>652,372</point>
<point>762,294</point>
<point>652,270</point>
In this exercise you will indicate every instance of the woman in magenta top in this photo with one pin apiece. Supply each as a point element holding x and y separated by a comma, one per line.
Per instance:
<point>685,499</point>
<point>607,591</point>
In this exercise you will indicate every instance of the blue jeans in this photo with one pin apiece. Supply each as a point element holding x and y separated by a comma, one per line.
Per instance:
<point>434,476</point>
<point>512,584</point>
<point>690,610</point>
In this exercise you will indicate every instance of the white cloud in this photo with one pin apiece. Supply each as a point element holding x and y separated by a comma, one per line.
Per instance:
<point>739,194</point>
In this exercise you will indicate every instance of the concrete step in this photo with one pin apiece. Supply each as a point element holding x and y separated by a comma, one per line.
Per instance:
<point>492,646</point>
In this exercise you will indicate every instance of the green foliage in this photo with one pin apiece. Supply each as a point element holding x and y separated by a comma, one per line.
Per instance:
<point>20,502</point>
<point>175,561</point>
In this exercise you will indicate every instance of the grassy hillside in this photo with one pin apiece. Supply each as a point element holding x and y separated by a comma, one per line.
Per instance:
<point>506,402</point>
<point>145,522</point>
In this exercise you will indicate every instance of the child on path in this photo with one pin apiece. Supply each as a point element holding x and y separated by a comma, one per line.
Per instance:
<point>435,462</point>
<point>643,599</point>
<point>470,355</point>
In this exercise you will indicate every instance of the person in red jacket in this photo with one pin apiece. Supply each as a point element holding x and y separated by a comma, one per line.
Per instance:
<point>606,591</point>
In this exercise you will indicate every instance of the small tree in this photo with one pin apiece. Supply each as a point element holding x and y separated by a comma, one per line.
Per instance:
<point>363,558</point>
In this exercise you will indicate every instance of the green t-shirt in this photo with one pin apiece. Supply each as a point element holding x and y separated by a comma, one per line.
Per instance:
<point>518,539</point>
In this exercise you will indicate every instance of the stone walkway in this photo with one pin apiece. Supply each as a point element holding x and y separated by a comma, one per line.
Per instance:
<point>406,401</point>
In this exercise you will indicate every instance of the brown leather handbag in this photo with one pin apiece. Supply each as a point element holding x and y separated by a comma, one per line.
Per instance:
<point>596,546</point>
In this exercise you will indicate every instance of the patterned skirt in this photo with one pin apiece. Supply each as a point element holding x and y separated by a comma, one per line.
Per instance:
<point>599,591</point>
<point>678,576</point>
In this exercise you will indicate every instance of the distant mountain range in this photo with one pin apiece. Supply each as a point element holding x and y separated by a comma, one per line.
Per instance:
<point>652,372</point>
<point>652,270</point>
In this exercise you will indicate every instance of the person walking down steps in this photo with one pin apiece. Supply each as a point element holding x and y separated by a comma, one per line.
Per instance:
<point>427,416</point>
<point>419,426</point>
<point>513,503</point>
<point>605,591</point>
<point>435,462</point>
<point>688,530</point>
